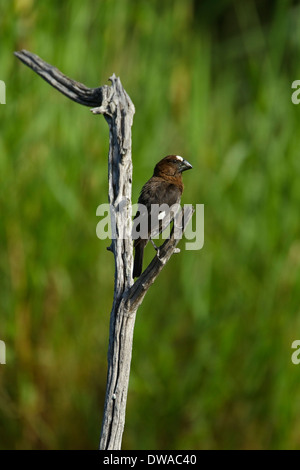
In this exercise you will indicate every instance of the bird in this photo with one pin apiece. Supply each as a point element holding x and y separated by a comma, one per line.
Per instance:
<point>164,187</point>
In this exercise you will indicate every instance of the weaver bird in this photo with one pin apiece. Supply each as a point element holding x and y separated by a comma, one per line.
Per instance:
<point>165,187</point>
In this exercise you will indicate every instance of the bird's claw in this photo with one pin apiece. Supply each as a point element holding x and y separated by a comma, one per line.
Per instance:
<point>154,246</point>
<point>157,248</point>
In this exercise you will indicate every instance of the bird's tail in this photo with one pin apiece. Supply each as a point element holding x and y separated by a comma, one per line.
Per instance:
<point>138,259</point>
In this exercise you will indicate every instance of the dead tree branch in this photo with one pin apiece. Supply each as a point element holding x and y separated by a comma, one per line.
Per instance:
<point>118,110</point>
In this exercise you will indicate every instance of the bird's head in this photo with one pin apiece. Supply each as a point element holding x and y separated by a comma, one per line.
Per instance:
<point>172,165</point>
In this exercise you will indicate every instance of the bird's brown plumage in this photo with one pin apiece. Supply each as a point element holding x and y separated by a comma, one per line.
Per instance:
<point>165,187</point>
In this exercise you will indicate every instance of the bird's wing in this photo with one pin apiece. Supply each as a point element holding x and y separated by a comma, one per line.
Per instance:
<point>157,207</point>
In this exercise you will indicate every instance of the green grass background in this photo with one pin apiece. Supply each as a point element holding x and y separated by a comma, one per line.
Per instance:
<point>211,365</point>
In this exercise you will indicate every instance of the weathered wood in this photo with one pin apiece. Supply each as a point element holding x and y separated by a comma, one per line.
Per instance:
<point>136,294</point>
<point>118,110</point>
<point>74,90</point>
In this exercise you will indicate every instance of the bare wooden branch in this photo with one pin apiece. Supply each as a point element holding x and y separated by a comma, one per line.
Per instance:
<point>118,110</point>
<point>136,294</point>
<point>74,90</point>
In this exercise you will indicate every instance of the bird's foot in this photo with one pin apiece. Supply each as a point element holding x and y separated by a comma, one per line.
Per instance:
<point>157,248</point>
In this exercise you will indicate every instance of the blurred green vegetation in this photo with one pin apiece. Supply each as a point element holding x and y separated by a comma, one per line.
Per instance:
<point>211,81</point>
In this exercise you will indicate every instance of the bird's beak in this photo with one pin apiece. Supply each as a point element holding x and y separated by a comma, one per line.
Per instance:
<point>185,165</point>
